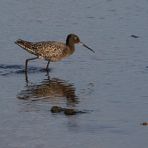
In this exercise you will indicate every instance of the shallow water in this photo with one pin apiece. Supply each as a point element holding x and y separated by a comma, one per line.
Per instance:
<point>111,85</point>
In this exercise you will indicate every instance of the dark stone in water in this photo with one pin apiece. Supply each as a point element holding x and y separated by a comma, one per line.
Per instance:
<point>144,123</point>
<point>134,36</point>
<point>69,111</point>
<point>56,109</point>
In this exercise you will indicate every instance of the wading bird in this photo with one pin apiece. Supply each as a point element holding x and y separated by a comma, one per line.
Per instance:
<point>51,51</point>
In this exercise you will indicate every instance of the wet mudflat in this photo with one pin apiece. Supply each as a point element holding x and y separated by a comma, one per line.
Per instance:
<point>111,85</point>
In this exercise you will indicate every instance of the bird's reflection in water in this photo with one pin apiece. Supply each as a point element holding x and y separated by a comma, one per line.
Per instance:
<point>50,90</point>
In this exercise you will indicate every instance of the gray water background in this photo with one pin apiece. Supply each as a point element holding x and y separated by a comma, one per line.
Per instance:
<point>111,85</point>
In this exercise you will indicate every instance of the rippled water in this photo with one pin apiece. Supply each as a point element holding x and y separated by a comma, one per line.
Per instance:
<point>112,84</point>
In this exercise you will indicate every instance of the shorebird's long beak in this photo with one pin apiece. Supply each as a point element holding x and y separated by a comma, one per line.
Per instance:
<point>87,47</point>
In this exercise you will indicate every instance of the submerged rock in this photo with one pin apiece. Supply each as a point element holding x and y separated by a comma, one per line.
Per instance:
<point>134,36</point>
<point>56,109</point>
<point>67,111</point>
<point>144,123</point>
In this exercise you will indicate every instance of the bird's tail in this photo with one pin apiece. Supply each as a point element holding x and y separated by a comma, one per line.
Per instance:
<point>25,45</point>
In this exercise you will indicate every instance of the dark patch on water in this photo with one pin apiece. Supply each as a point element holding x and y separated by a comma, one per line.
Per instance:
<point>6,70</point>
<point>67,111</point>
<point>4,66</point>
<point>134,36</point>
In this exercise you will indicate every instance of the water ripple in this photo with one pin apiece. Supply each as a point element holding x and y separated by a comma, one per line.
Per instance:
<point>6,70</point>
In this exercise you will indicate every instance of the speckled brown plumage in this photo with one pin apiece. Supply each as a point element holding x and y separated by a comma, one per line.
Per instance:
<point>51,50</point>
<point>48,50</point>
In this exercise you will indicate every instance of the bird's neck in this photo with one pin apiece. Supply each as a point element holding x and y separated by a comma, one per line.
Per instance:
<point>71,49</point>
<point>71,46</point>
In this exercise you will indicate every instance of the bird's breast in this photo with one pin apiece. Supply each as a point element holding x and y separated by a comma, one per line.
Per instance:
<point>58,54</point>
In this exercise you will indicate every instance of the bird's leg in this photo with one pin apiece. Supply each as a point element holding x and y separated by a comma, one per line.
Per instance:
<point>26,77</point>
<point>47,66</point>
<point>26,63</point>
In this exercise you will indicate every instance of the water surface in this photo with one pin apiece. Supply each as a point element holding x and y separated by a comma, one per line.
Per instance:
<point>112,84</point>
